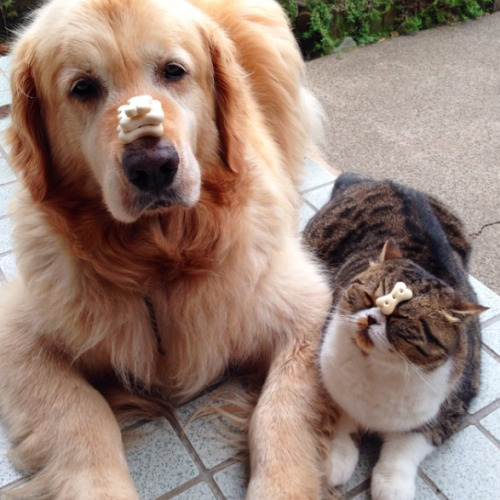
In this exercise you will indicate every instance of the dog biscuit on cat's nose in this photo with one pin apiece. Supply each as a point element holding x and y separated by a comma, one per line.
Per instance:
<point>388,303</point>
<point>141,116</point>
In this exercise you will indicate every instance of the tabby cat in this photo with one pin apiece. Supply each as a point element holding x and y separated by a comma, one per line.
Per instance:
<point>405,367</point>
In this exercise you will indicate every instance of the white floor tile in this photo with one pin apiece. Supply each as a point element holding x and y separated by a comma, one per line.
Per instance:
<point>492,424</point>
<point>5,97</point>
<point>466,467</point>
<point>8,265</point>
<point>5,235</point>
<point>319,197</point>
<point>491,337</point>
<point>487,298</point>
<point>158,460</point>
<point>424,492</point>
<point>489,390</point>
<point>208,435</point>
<point>233,481</point>
<point>7,473</point>
<point>5,65</point>
<point>305,214</point>
<point>6,192</point>
<point>314,175</point>
<point>364,495</point>
<point>6,174</point>
<point>368,456</point>
<point>199,492</point>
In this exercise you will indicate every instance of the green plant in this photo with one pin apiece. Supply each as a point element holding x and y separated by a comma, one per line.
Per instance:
<point>364,18</point>
<point>13,13</point>
<point>291,8</point>
<point>314,33</point>
<point>9,14</point>
<point>414,15</point>
<point>320,25</point>
<point>411,24</point>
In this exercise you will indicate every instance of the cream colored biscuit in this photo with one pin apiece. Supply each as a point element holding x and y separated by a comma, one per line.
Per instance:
<point>388,303</point>
<point>142,116</point>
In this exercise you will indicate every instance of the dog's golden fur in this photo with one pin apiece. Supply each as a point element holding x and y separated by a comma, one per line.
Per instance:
<point>223,267</point>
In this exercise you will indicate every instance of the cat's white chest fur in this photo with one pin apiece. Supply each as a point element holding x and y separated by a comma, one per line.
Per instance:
<point>379,390</point>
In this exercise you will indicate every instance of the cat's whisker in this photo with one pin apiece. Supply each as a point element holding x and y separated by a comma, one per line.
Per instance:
<point>413,369</point>
<point>344,316</point>
<point>409,369</point>
<point>425,379</point>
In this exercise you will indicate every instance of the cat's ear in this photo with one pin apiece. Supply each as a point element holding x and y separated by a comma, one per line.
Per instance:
<point>460,310</point>
<point>390,251</point>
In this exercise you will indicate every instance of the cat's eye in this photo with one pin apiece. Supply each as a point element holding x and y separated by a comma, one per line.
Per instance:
<point>368,299</point>
<point>359,297</point>
<point>396,315</point>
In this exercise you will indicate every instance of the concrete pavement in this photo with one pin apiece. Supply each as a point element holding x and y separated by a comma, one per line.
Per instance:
<point>424,110</point>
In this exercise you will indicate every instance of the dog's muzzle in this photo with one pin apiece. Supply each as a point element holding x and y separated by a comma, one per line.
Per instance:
<point>150,164</point>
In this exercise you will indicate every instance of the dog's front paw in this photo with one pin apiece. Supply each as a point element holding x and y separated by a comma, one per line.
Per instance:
<point>101,485</point>
<point>293,489</point>
<point>344,456</point>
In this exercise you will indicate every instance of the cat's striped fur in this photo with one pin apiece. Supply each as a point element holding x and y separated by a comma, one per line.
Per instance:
<point>410,375</point>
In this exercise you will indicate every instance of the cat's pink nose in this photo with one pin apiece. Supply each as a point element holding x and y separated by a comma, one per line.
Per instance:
<point>371,320</point>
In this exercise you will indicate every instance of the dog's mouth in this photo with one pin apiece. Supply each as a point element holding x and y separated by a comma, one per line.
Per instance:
<point>134,203</point>
<point>155,205</point>
<point>152,203</point>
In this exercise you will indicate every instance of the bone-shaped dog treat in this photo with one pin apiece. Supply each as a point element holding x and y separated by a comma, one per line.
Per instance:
<point>388,302</point>
<point>142,116</point>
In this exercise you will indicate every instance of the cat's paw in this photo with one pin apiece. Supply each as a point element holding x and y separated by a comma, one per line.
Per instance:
<point>392,484</point>
<point>344,456</point>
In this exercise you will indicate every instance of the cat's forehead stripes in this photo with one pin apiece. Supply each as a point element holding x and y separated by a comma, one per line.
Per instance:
<point>388,303</point>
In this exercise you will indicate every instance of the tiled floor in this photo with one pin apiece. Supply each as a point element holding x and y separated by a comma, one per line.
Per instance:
<point>171,460</point>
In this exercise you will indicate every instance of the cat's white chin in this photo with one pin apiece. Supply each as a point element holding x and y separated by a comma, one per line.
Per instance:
<point>359,381</point>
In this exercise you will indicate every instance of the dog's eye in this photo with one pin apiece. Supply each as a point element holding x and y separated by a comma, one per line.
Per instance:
<point>173,72</point>
<point>85,89</point>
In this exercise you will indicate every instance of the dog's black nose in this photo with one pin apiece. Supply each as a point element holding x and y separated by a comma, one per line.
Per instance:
<point>150,164</point>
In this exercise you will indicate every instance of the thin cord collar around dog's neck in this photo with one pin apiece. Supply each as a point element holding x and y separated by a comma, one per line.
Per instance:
<point>154,323</point>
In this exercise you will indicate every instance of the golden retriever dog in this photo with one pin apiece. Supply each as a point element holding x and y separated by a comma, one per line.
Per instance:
<point>161,261</point>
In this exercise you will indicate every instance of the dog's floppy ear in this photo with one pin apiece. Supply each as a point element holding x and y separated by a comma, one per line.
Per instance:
<point>231,100</point>
<point>29,146</point>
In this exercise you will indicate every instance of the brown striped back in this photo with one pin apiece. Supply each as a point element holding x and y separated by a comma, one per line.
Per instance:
<point>373,234</point>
